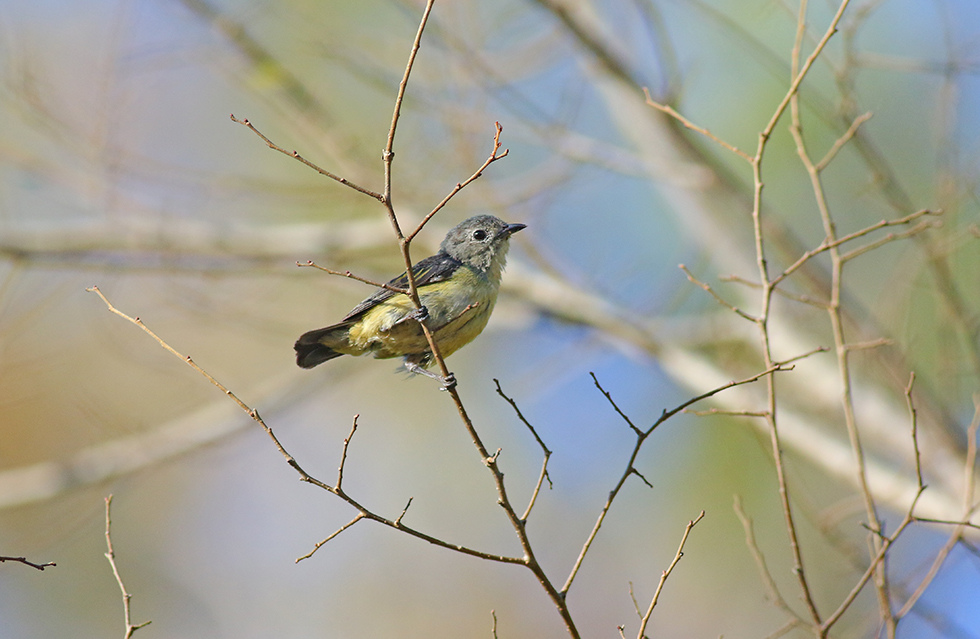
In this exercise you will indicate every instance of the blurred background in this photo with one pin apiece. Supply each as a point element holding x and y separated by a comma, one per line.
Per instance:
<point>119,167</point>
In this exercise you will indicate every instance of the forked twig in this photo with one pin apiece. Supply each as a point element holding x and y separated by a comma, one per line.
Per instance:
<point>641,437</point>
<point>546,452</point>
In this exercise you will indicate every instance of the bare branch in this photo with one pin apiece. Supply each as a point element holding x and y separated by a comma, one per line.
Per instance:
<point>110,554</point>
<point>891,237</point>
<point>295,155</point>
<point>832,243</point>
<point>348,274</point>
<point>772,590</point>
<point>968,506</point>
<point>669,110</point>
<point>23,560</point>
<point>842,140</point>
<point>343,454</point>
<point>401,516</point>
<point>612,402</point>
<point>461,185</point>
<point>730,413</point>
<point>358,517</point>
<point>663,577</point>
<point>546,452</point>
<point>718,298</point>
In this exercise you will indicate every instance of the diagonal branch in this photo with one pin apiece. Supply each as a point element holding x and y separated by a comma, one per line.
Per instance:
<point>666,573</point>
<point>304,476</point>
<point>295,155</point>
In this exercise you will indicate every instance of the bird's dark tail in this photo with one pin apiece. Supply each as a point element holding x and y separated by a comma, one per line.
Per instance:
<point>311,349</point>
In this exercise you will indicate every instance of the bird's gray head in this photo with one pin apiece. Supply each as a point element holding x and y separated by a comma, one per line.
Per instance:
<point>480,242</point>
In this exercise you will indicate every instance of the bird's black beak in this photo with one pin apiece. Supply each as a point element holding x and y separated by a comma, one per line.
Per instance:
<point>510,229</point>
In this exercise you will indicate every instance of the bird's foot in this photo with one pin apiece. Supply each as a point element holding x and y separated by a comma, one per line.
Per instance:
<point>448,382</point>
<point>421,314</point>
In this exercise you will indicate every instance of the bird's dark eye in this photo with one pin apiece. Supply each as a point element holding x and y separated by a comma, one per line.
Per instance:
<point>479,235</point>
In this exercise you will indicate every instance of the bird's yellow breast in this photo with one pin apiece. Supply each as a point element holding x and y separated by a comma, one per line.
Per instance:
<point>459,309</point>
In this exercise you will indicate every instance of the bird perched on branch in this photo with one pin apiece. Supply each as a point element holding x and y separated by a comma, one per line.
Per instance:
<point>457,288</point>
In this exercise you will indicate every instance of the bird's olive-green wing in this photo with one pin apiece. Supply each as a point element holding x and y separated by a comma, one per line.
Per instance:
<point>437,268</point>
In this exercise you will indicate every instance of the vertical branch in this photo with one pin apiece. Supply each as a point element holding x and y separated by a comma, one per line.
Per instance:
<point>388,156</point>
<point>490,461</point>
<point>110,554</point>
<point>768,288</point>
<point>836,318</point>
<point>389,153</point>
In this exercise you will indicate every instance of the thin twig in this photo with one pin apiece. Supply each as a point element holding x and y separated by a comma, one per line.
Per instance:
<point>872,567</point>
<point>663,577</point>
<point>408,504</point>
<point>343,454</point>
<point>730,413</point>
<point>772,590</point>
<point>718,298</point>
<point>833,243</point>
<point>802,299</point>
<point>295,155</point>
<point>636,605</point>
<point>612,402</point>
<point>23,560</point>
<point>358,517</point>
<point>348,274</point>
<point>110,554</point>
<point>969,508</point>
<point>546,452</point>
<point>791,624</point>
<point>948,522</point>
<point>804,70</point>
<point>914,419</point>
<point>885,542</point>
<point>669,110</point>
<point>891,237</point>
<point>840,142</point>
<point>461,185</point>
<point>768,285</point>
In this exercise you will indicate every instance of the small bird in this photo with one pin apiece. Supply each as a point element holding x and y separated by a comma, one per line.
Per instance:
<point>457,287</point>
